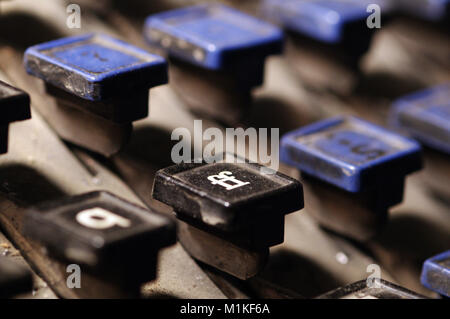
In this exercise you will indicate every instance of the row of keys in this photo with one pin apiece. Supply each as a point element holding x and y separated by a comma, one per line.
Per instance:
<point>348,145</point>
<point>357,146</point>
<point>225,209</point>
<point>368,156</point>
<point>225,45</point>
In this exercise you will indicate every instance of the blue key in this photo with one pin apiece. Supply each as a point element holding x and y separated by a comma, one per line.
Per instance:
<point>350,153</point>
<point>213,36</point>
<point>432,10</point>
<point>436,273</point>
<point>95,66</point>
<point>353,172</point>
<point>14,106</point>
<point>324,20</point>
<point>425,116</point>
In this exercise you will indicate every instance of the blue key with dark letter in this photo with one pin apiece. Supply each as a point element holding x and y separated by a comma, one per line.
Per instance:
<point>354,162</point>
<point>212,36</point>
<point>436,273</point>
<point>14,106</point>
<point>425,116</point>
<point>99,82</point>
<point>331,33</point>
<point>95,67</point>
<point>217,56</point>
<point>323,20</point>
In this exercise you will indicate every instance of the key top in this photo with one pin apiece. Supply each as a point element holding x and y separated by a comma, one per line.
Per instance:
<point>436,274</point>
<point>95,66</point>
<point>323,20</point>
<point>97,81</point>
<point>14,278</point>
<point>14,106</point>
<point>347,160</point>
<point>326,38</point>
<point>229,208</point>
<point>425,116</point>
<point>213,36</point>
<point>104,234</point>
<point>214,48</point>
<point>381,289</point>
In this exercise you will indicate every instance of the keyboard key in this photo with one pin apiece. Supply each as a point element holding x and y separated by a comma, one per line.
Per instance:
<point>425,116</point>
<point>213,36</point>
<point>14,106</point>
<point>323,20</point>
<point>360,290</point>
<point>436,274</point>
<point>354,163</point>
<point>235,204</point>
<point>95,66</point>
<point>104,234</point>
<point>217,56</point>
<point>350,153</point>
<point>226,194</point>
<point>99,85</point>
<point>14,278</point>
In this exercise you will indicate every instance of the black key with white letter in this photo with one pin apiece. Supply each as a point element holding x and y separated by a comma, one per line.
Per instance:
<point>229,208</point>
<point>104,234</point>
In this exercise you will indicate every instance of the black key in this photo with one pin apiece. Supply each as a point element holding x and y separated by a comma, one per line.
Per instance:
<point>104,234</point>
<point>14,278</point>
<point>14,106</point>
<point>380,289</point>
<point>237,203</point>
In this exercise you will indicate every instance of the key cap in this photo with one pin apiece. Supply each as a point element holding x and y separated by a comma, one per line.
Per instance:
<point>355,170</point>
<point>103,234</point>
<point>230,211</point>
<point>105,79</point>
<point>330,21</point>
<point>425,116</point>
<point>14,106</point>
<point>436,274</point>
<point>326,38</point>
<point>217,55</point>
<point>380,289</point>
<point>14,278</point>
